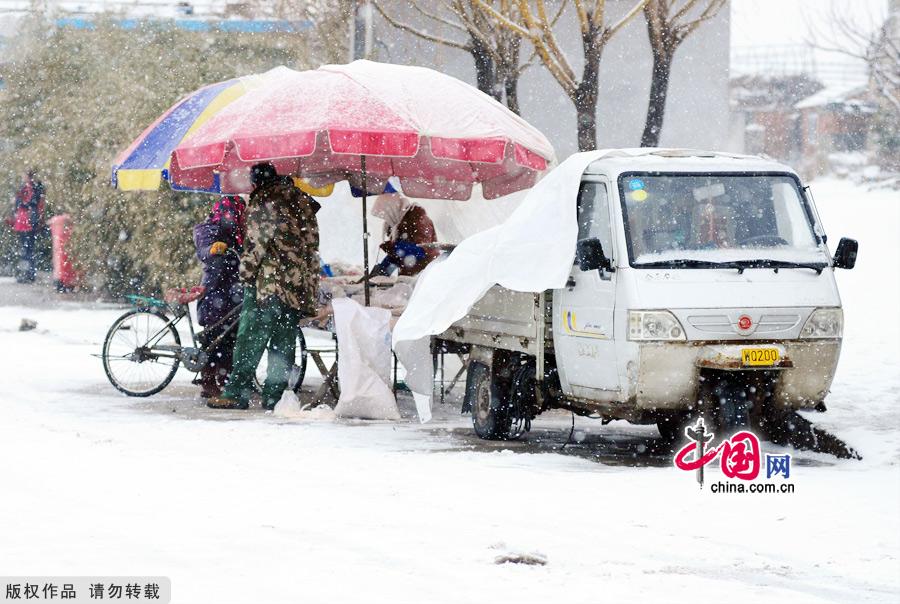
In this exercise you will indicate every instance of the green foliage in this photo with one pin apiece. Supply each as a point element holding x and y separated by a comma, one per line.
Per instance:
<point>75,98</point>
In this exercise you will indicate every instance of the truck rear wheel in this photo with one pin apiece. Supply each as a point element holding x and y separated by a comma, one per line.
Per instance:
<point>491,416</point>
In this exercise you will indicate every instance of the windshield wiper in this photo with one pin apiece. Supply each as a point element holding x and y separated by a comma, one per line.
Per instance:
<point>687,263</point>
<point>739,265</point>
<point>777,264</point>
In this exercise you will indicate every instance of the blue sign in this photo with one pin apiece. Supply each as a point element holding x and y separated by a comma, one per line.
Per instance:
<point>635,184</point>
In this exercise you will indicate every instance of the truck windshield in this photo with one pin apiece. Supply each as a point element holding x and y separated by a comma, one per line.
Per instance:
<point>689,220</point>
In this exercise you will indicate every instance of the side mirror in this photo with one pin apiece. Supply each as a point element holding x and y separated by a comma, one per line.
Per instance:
<point>845,254</point>
<point>589,255</point>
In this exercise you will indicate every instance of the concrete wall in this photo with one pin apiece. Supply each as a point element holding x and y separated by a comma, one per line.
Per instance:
<point>697,113</point>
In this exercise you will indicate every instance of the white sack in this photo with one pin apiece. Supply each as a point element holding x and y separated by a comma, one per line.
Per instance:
<point>288,405</point>
<point>532,251</point>
<point>364,361</point>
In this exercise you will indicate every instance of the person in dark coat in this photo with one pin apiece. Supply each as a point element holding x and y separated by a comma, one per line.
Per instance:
<point>28,217</point>
<point>409,236</point>
<point>219,241</point>
<point>280,268</point>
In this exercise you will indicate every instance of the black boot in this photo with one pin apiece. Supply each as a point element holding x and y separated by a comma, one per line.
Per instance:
<point>209,386</point>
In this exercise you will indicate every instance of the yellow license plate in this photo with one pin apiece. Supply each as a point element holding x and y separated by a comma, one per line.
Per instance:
<point>759,357</point>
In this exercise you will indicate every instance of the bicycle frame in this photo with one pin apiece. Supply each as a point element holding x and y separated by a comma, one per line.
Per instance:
<point>233,325</point>
<point>180,312</point>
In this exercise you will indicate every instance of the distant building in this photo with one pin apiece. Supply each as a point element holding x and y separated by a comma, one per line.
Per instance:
<point>764,119</point>
<point>837,123</point>
<point>835,119</point>
<point>798,120</point>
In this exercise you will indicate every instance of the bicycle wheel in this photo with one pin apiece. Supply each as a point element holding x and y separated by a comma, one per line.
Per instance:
<point>298,371</point>
<point>139,352</point>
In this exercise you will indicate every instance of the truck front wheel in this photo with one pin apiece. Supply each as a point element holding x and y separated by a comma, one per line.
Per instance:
<point>491,416</point>
<point>671,425</point>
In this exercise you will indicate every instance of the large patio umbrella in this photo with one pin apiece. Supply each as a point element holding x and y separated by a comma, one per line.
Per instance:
<point>364,122</point>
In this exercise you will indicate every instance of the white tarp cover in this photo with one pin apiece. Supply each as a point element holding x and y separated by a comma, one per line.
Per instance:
<point>533,250</point>
<point>364,361</point>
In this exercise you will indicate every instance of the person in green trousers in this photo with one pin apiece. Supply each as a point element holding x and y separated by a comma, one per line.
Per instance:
<point>280,270</point>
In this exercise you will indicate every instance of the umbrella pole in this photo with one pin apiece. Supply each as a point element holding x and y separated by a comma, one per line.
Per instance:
<point>362,161</point>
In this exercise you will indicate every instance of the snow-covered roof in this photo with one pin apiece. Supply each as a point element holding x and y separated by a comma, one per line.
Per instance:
<point>189,15</point>
<point>831,95</point>
<point>160,9</point>
<point>686,160</point>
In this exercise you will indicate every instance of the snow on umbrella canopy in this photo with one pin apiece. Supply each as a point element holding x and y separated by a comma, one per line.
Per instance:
<point>436,134</point>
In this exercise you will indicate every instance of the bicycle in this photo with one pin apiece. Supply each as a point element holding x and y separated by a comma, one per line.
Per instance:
<point>142,350</point>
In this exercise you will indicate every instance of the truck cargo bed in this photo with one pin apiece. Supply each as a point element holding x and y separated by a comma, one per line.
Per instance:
<point>502,319</point>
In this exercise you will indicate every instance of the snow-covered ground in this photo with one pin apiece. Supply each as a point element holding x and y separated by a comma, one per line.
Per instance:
<point>262,510</point>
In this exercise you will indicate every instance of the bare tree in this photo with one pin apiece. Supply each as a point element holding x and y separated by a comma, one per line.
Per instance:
<point>535,24</point>
<point>884,64</point>
<point>494,49</point>
<point>331,15</point>
<point>876,42</point>
<point>669,23</point>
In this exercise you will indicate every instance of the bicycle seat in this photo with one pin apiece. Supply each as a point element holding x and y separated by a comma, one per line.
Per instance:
<point>183,295</point>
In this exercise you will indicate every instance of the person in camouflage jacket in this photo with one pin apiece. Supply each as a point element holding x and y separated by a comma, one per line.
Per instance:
<point>280,271</point>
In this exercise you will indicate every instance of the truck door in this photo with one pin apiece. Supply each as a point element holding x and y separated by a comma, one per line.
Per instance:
<point>583,311</point>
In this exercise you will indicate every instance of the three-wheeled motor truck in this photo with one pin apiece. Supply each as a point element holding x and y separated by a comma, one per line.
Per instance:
<point>702,284</point>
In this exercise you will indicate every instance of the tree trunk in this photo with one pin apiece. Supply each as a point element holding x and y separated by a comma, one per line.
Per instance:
<point>656,106</point>
<point>485,71</point>
<point>586,113</point>
<point>508,69</point>
<point>511,86</point>
<point>585,97</point>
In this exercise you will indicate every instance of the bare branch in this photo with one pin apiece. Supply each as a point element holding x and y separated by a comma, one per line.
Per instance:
<point>656,23</point>
<point>550,39</point>
<point>534,53</point>
<point>599,16</point>
<point>531,32</point>
<point>845,35</point>
<point>582,13</point>
<point>420,33</point>
<point>527,63</point>
<point>437,18</point>
<point>638,7</point>
<point>711,10</point>
<point>559,12</point>
<point>474,29</point>
<point>504,21</point>
<point>840,50</point>
<point>681,12</point>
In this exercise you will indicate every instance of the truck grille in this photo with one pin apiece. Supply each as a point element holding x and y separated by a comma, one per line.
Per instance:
<point>769,323</point>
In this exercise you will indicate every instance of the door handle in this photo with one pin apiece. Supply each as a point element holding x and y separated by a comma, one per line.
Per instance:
<point>571,282</point>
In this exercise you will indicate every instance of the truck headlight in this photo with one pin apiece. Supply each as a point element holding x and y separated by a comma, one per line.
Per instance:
<point>824,323</point>
<point>649,325</point>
